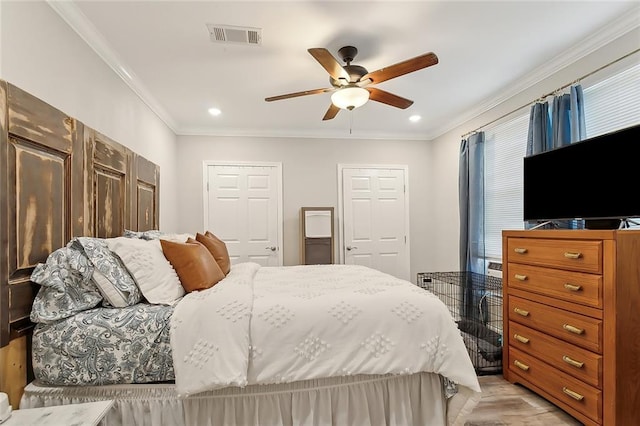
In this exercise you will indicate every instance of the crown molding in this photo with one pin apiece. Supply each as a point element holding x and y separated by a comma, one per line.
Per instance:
<point>78,21</point>
<point>619,27</point>
<point>74,17</point>
<point>356,135</point>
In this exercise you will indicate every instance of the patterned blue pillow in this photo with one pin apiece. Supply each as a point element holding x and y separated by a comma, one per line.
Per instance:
<point>152,234</point>
<point>67,287</point>
<point>111,277</point>
<point>132,234</point>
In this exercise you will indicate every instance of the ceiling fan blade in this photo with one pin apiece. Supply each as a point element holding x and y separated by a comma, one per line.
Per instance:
<point>378,95</point>
<point>331,112</point>
<point>402,68</point>
<point>329,63</point>
<point>296,94</point>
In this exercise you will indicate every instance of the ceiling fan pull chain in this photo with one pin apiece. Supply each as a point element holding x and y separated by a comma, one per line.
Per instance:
<point>350,121</point>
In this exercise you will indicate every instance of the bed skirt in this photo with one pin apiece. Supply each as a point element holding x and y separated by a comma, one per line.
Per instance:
<point>417,399</point>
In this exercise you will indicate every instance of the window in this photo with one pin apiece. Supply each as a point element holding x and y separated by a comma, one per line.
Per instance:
<point>614,103</point>
<point>610,104</point>
<point>505,146</point>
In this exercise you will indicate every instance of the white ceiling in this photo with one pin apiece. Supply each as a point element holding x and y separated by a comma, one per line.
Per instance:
<point>488,51</point>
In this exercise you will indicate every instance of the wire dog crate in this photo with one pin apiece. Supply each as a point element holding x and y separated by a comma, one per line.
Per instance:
<point>475,302</point>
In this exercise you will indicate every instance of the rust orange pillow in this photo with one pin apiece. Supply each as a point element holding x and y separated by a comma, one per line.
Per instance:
<point>217,248</point>
<point>195,266</point>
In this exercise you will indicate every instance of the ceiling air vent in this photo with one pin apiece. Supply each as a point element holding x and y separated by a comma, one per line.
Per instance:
<point>235,35</point>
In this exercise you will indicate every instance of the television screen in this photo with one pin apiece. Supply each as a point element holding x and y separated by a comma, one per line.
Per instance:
<point>597,178</point>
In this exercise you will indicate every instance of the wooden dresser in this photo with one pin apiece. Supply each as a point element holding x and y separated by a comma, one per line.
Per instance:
<point>572,320</point>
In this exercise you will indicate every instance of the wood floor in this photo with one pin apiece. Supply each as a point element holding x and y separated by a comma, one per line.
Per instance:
<point>504,403</point>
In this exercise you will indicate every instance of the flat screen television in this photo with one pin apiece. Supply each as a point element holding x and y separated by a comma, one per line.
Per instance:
<point>596,179</point>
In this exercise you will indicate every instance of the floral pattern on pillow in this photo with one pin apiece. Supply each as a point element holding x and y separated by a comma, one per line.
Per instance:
<point>132,234</point>
<point>105,346</point>
<point>155,234</point>
<point>66,286</point>
<point>113,279</point>
<point>152,234</point>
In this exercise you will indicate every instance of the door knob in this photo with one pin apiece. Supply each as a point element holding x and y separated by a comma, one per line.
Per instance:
<point>272,248</point>
<point>349,248</point>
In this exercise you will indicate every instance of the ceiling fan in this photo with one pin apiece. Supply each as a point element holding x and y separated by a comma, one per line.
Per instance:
<point>352,84</point>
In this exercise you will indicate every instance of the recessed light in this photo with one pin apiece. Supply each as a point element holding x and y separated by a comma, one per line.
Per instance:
<point>414,118</point>
<point>214,111</point>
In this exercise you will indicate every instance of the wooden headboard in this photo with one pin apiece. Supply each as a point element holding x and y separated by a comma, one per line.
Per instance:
<point>58,179</point>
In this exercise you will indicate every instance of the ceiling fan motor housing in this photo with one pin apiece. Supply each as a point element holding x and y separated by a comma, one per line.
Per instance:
<point>355,74</point>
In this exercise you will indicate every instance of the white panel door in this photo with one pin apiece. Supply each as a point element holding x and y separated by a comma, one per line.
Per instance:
<point>242,208</point>
<point>375,224</point>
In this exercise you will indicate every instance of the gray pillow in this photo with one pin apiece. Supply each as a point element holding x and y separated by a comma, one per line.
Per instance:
<point>111,277</point>
<point>67,287</point>
<point>153,234</point>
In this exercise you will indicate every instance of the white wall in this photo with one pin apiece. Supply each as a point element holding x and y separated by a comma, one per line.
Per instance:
<point>42,55</point>
<point>309,168</point>
<point>443,224</point>
<point>310,176</point>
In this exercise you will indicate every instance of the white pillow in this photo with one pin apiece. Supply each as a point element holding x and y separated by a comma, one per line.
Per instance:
<point>114,296</point>
<point>153,273</point>
<point>178,238</point>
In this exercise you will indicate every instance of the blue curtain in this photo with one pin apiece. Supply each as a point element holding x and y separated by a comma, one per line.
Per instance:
<point>471,202</point>
<point>568,118</point>
<point>539,137</point>
<point>463,203</point>
<point>556,125</point>
<point>578,124</point>
<point>472,247</point>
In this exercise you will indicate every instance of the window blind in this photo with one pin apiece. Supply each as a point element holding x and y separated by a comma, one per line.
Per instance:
<point>614,103</point>
<point>611,104</point>
<point>505,147</point>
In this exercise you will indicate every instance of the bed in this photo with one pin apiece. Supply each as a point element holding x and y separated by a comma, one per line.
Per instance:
<point>317,344</point>
<point>331,344</point>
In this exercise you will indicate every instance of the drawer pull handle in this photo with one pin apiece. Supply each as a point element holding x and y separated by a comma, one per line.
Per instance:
<point>572,287</point>
<point>572,394</point>
<point>520,338</point>
<point>570,255</point>
<point>520,250</point>
<point>521,312</point>
<point>572,362</point>
<point>573,329</point>
<point>520,277</point>
<point>520,365</point>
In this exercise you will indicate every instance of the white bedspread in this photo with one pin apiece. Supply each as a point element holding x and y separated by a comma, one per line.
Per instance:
<point>210,340</point>
<point>264,325</point>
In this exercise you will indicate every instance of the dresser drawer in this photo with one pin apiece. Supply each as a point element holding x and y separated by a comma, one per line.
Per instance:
<point>576,287</point>
<point>572,255</point>
<point>575,328</point>
<point>580,363</point>
<point>579,396</point>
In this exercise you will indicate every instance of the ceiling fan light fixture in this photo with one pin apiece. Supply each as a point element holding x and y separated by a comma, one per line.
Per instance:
<point>350,97</point>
